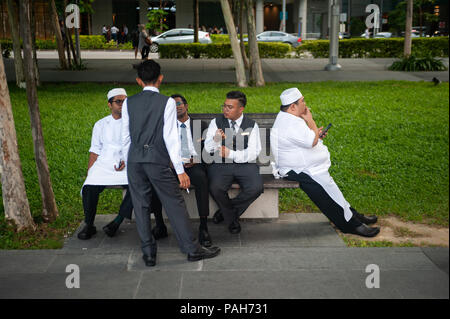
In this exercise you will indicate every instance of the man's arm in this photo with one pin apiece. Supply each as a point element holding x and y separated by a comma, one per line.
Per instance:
<point>96,144</point>
<point>92,158</point>
<point>126,140</point>
<point>210,144</point>
<point>251,152</point>
<point>307,116</point>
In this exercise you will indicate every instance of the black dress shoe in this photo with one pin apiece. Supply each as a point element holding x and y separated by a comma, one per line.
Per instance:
<point>111,228</point>
<point>372,219</point>
<point>235,227</point>
<point>218,217</point>
<point>204,238</point>
<point>203,253</point>
<point>87,232</point>
<point>160,232</point>
<point>150,261</point>
<point>365,231</point>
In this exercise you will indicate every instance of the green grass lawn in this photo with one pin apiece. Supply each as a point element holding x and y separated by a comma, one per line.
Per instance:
<point>389,146</point>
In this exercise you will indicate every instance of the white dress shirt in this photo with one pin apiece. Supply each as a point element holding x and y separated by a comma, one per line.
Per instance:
<point>245,156</point>
<point>170,132</point>
<point>106,143</point>
<point>189,136</point>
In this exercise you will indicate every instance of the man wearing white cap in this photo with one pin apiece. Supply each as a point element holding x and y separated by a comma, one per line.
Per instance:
<point>301,156</point>
<point>106,166</point>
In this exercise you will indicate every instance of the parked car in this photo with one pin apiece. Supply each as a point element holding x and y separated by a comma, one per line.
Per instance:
<point>278,36</point>
<point>344,35</point>
<point>178,36</point>
<point>383,35</point>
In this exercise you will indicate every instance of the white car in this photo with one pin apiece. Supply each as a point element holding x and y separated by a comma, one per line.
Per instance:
<point>383,35</point>
<point>178,36</point>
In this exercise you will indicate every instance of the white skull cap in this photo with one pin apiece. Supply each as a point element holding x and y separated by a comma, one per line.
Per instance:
<point>115,92</point>
<point>290,96</point>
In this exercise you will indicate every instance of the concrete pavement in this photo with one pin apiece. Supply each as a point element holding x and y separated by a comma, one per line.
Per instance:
<point>297,256</point>
<point>111,66</point>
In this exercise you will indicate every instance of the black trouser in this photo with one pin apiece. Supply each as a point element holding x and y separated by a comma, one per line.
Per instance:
<point>199,178</point>
<point>324,202</point>
<point>91,194</point>
<point>221,176</point>
<point>146,178</point>
<point>145,51</point>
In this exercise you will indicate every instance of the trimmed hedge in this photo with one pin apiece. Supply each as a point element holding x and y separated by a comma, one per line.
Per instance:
<point>218,50</point>
<point>87,42</point>
<point>376,48</point>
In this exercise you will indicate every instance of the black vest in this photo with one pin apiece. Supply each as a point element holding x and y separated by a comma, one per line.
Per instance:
<point>239,141</point>
<point>146,113</point>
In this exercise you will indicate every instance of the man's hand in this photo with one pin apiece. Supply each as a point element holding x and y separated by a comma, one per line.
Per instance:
<point>320,133</point>
<point>121,167</point>
<point>224,152</point>
<point>185,182</point>
<point>307,116</point>
<point>220,135</point>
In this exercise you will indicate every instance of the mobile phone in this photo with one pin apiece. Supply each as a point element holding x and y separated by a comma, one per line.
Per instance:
<point>325,130</point>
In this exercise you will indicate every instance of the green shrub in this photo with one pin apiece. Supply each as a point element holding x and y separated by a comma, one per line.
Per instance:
<point>412,63</point>
<point>218,50</point>
<point>220,38</point>
<point>376,48</point>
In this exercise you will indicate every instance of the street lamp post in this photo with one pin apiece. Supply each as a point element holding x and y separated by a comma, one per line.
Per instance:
<point>334,38</point>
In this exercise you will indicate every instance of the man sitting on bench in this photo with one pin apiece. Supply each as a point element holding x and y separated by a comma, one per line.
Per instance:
<point>106,167</point>
<point>300,156</point>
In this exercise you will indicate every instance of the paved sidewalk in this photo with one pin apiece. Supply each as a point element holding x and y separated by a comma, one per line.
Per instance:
<point>106,66</point>
<point>297,256</point>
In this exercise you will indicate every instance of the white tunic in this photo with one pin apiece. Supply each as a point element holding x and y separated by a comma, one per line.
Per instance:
<point>107,144</point>
<point>291,142</point>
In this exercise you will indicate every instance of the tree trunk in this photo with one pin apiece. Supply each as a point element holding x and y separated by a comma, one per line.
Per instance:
<point>18,61</point>
<point>33,42</point>
<point>196,21</point>
<point>58,35</point>
<point>239,64</point>
<point>256,73</point>
<point>241,34</point>
<point>49,209</point>
<point>15,199</point>
<point>409,18</point>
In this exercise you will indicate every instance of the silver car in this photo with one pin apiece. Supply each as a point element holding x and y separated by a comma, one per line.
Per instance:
<point>278,36</point>
<point>178,36</point>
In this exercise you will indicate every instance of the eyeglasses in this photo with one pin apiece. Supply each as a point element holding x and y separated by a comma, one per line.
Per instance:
<point>120,102</point>
<point>179,103</point>
<point>229,107</point>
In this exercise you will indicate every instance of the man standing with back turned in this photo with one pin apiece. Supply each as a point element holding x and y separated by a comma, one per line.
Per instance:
<point>150,138</point>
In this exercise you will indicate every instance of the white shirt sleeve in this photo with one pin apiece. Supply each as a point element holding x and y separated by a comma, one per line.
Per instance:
<point>210,145</point>
<point>126,140</point>
<point>301,136</point>
<point>251,152</point>
<point>96,141</point>
<point>170,135</point>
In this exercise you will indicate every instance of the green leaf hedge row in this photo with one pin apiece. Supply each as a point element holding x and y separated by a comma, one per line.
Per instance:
<point>376,48</point>
<point>218,50</point>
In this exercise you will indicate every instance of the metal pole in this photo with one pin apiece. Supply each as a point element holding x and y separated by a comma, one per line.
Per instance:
<point>283,21</point>
<point>334,38</point>
<point>77,42</point>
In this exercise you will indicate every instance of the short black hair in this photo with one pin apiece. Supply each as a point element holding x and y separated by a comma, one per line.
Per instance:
<point>148,71</point>
<point>180,96</point>
<point>284,108</point>
<point>238,95</point>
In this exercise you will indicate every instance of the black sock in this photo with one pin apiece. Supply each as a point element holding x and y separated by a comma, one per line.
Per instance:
<point>203,223</point>
<point>119,219</point>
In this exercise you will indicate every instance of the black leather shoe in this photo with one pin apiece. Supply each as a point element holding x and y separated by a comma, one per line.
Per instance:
<point>87,232</point>
<point>372,219</point>
<point>204,238</point>
<point>150,261</point>
<point>160,232</point>
<point>235,227</point>
<point>366,231</point>
<point>203,253</point>
<point>111,228</point>
<point>218,217</point>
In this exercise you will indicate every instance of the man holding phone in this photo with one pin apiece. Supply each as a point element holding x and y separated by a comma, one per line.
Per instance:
<point>301,156</point>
